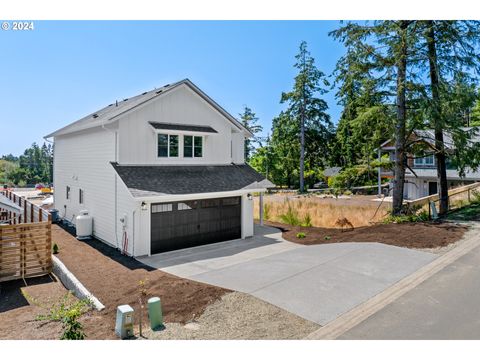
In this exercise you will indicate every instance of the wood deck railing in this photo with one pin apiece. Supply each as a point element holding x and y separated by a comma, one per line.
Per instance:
<point>25,242</point>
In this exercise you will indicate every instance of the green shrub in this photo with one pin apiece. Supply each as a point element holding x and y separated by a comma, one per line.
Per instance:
<point>347,193</point>
<point>327,237</point>
<point>307,220</point>
<point>55,248</point>
<point>290,217</point>
<point>420,216</point>
<point>301,235</point>
<point>67,312</point>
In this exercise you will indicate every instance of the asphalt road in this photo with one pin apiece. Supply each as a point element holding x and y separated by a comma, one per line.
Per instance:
<point>446,306</point>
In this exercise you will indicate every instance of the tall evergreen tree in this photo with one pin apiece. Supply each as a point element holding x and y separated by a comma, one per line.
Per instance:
<point>250,121</point>
<point>451,50</point>
<point>306,111</point>
<point>381,52</point>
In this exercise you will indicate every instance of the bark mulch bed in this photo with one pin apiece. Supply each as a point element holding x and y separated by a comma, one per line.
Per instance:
<point>113,279</point>
<point>410,235</point>
<point>17,314</point>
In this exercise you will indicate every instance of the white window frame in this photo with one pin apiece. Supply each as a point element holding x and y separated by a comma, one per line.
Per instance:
<point>193,146</point>
<point>422,161</point>
<point>168,146</point>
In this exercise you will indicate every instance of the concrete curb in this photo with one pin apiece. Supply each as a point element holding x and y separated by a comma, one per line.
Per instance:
<point>352,318</point>
<point>72,283</point>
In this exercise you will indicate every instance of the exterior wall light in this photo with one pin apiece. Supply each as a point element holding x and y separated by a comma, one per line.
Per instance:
<point>144,205</point>
<point>249,196</point>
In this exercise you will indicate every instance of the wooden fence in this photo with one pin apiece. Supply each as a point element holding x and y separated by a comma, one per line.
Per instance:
<point>462,191</point>
<point>26,242</point>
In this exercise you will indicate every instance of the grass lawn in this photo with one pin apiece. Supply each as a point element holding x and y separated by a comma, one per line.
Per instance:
<point>467,213</point>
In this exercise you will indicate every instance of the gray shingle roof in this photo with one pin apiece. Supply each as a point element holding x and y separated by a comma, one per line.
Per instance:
<point>182,127</point>
<point>155,180</point>
<point>112,111</point>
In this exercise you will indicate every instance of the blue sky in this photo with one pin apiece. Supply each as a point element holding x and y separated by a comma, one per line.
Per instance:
<point>63,70</point>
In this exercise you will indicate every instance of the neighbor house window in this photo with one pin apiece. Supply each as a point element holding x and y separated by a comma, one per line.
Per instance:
<point>192,146</point>
<point>167,145</point>
<point>67,193</point>
<point>80,196</point>
<point>424,161</point>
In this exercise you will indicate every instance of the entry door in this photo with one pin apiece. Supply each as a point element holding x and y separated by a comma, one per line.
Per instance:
<point>432,188</point>
<point>197,222</point>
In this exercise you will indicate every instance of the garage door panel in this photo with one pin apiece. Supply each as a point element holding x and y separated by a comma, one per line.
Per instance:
<point>192,223</point>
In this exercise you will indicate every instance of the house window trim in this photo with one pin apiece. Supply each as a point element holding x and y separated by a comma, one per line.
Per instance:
<point>168,146</point>
<point>421,161</point>
<point>202,137</point>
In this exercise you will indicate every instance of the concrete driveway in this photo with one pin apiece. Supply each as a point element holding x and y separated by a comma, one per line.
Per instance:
<point>316,282</point>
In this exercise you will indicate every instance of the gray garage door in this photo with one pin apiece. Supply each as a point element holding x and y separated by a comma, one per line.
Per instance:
<point>190,223</point>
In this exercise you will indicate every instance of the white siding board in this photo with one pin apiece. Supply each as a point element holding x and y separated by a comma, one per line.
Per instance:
<point>82,161</point>
<point>137,139</point>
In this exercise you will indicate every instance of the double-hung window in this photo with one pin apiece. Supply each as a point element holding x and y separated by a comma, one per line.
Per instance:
<point>192,146</point>
<point>167,145</point>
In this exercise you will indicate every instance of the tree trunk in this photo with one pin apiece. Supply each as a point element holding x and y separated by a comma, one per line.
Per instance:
<point>400,125</point>
<point>437,120</point>
<point>302,152</point>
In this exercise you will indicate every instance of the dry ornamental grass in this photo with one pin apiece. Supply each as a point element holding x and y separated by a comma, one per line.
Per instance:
<point>322,212</point>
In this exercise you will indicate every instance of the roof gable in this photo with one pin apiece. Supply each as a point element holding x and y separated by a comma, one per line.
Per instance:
<point>113,112</point>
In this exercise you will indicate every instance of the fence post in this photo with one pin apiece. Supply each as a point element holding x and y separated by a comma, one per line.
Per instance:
<point>25,212</point>
<point>31,213</point>
<point>40,214</point>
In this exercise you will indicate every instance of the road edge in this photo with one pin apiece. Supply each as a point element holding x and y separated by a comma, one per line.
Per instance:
<point>355,316</point>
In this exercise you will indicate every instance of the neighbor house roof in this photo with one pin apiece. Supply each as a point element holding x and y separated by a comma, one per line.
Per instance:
<point>451,174</point>
<point>182,127</point>
<point>428,135</point>
<point>332,171</point>
<point>154,180</point>
<point>111,113</point>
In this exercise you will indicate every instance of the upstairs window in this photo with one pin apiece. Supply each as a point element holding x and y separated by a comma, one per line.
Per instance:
<point>167,145</point>
<point>80,196</point>
<point>67,193</point>
<point>192,146</point>
<point>424,161</point>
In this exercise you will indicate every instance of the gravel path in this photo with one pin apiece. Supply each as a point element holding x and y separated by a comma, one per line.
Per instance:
<point>238,316</point>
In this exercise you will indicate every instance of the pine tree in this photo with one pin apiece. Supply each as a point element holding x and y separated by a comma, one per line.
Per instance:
<point>250,121</point>
<point>306,111</point>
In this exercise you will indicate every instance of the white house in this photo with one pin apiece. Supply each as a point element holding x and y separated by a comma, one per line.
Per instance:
<point>159,171</point>
<point>421,172</point>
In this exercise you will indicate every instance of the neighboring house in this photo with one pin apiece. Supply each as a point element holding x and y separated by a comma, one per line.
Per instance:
<point>165,169</point>
<point>421,172</point>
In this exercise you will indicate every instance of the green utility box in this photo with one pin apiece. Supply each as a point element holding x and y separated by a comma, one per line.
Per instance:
<point>155,313</point>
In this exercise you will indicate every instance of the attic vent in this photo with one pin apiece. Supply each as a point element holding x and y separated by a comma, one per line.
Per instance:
<point>144,93</point>
<point>95,116</point>
<point>110,104</point>
<point>158,92</point>
<point>166,85</point>
<point>125,99</point>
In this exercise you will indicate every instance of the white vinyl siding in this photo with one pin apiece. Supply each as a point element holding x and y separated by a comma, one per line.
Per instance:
<point>138,139</point>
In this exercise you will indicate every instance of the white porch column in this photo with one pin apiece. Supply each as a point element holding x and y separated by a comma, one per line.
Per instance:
<point>261,209</point>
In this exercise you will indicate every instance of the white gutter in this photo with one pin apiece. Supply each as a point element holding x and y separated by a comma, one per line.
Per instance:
<point>199,196</point>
